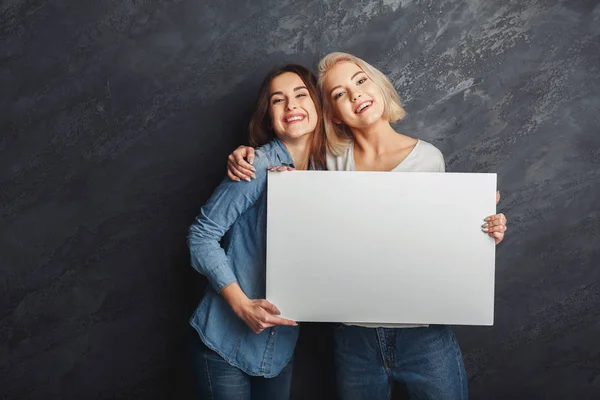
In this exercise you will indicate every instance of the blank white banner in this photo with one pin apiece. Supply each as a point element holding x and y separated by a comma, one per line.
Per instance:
<point>380,247</point>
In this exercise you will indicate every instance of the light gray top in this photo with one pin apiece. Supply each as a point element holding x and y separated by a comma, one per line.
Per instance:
<point>425,157</point>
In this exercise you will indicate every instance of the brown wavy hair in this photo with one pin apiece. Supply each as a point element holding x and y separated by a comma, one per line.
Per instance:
<point>261,130</point>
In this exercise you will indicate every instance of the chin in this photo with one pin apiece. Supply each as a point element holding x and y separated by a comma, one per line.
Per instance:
<point>369,120</point>
<point>294,135</point>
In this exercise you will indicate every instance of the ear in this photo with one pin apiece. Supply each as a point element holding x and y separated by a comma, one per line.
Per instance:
<point>336,120</point>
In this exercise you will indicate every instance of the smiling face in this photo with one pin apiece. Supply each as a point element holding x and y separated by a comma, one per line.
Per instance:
<point>292,110</point>
<point>354,98</point>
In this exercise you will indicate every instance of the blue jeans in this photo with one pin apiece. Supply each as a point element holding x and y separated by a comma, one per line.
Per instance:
<point>427,360</point>
<point>216,379</point>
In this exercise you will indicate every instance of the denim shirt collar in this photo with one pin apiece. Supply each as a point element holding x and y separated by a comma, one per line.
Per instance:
<point>282,153</point>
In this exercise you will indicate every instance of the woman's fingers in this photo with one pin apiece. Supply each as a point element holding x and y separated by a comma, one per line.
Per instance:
<point>231,175</point>
<point>281,168</point>
<point>236,171</point>
<point>497,197</point>
<point>266,317</point>
<point>258,322</point>
<point>243,153</point>
<point>496,217</point>
<point>495,220</point>
<point>237,167</point>
<point>270,307</point>
<point>279,321</point>
<point>501,217</point>
<point>495,225</point>
<point>497,228</point>
<point>498,236</point>
<point>270,321</point>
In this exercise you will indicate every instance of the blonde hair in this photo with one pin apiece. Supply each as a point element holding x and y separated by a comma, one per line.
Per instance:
<point>339,136</point>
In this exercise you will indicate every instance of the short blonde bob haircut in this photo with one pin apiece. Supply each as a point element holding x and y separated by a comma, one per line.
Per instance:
<point>339,136</point>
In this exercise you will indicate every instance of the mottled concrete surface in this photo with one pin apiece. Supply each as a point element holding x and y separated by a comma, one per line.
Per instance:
<point>116,118</point>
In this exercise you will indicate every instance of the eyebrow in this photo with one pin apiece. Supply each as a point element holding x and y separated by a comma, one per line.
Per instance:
<point>339,86</point>
<point>296,88</point>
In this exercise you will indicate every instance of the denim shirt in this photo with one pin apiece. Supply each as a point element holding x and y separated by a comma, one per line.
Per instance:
<point>237,212</point>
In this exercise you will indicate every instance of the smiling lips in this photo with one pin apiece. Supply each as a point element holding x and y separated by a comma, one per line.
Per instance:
<point>293,118</point>
<point>363,106</point>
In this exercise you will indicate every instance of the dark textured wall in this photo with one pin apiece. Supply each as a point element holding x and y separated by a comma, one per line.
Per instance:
<point>116,118</point>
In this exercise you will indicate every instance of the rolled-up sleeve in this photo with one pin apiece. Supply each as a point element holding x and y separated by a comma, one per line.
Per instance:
<point>229,200</point>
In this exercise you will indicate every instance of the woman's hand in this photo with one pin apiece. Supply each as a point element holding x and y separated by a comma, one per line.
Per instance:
<point>260,315</point>
<point>495,225</point>
<point>237,167</point>
<point>257,314</point>
<point>280,168</point>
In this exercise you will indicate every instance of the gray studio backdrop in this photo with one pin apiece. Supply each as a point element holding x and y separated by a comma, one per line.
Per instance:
<point>116,118</point>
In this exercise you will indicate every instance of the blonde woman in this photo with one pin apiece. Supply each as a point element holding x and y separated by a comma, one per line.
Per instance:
<point>359,105</point>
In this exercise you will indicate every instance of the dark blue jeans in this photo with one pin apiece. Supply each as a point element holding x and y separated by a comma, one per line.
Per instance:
<point>216,379</point>
<point>427,360</point>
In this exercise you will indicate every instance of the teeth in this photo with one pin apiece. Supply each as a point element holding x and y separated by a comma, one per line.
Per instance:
<point>298,118</point>
<point>363,106</point>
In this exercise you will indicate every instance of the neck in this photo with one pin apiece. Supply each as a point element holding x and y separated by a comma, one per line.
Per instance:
<point>375,138</point>
<point>299,150</point>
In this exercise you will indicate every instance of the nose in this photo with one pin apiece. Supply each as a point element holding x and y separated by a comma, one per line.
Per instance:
<point>355,96</point>
<point>290,105</point>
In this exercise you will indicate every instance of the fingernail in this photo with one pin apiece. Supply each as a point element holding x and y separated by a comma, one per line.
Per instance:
<point>247,179</point>
<point>251,160</point>
<point>253,169</point>
<point>484,225</point>
<point>296,324</point>
<point>486,219</point>
<point>484,229</point>
<point>253,176</point>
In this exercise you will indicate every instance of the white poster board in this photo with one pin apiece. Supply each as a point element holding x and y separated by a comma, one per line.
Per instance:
<point>380,247</point>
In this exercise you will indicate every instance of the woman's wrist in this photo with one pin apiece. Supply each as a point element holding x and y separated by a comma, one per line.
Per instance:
<point>235,297</point>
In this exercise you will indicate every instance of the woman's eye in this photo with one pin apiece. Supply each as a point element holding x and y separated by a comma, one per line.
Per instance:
<point>277,101</point>
<point>338,95</point>
<point>362,80</point>
<point>301,95</point>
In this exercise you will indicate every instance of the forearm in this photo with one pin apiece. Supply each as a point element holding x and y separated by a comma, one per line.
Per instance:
<point>221,211</point>
<point>207,255</point>
<point>235,297</point>
<point>210,260</point>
